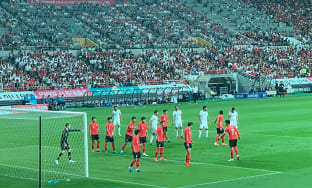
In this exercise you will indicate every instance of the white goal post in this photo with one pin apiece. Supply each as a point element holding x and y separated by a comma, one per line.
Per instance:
<point>24,123</point>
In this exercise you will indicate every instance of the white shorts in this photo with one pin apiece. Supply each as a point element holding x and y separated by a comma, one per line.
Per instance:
<point>116,122</point>
<point>234,123</point>
<point>178,124</point>
<point>203,125</point>
<point>154,129</point>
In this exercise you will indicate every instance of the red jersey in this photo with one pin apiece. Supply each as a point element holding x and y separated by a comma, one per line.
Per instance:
<point>233,132</point>
<point>160,134</point>
<point>142,127</point>
<point>94,128</point>
<point>130,128</point>
<point>109,129</point>
<point>187,135</point>
<point>136,143</point>
<point>164,118</point>
<point>220,121</point>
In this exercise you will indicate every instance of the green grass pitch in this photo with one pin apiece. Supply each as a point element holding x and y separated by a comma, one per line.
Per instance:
<point>275,149</point>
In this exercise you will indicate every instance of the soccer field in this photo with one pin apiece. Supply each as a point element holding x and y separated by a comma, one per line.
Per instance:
<point>275,149</point>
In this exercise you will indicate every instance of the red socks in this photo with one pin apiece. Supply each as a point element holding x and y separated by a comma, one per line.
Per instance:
<point>187,158</point>
<point>113,146</point>
<point>105,147</point>
<point>123,147</point>
<point>132,163</point>
<point>97,145</point>
<point>161,152</point>
<point>157,151</point>
<point>232,154</point>
<point>92,145</point>
<point>236,150</point>
<point>216,140</point>
<point>137,163</point>
<point>144,149</point>
<point>222,137</point>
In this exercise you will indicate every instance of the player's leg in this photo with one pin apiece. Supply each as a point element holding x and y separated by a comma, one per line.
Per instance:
<point>138,156</point>
<point>123,148</point>
<point>157,151</point>
<point>235,149</point>
<point>152,136</point>
<point>132,163</point>
<point>200,130</point>
<point>188,156</point>
<point>105,146</point>
<point>223,138</point>
<point>181,129</point>
<point>97,145</point>
<point>232,154</point>
<point>217,138</point>
<point>92,145</point>
<point>59,156</point>
<point>177,131</point>
<point>118,126</point>
<point>162,151</point>
<point>206,130</point>
<point>69,156</point>
<point>113,146</point>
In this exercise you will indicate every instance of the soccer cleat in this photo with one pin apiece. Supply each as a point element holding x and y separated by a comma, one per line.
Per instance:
<point>130,169</point>
<point>168,141</point>
<point>106,152</point>
<point>119,135</point>
<point>93,150</point>
<point>155,159</point>
<point>188,164</point>
<point>98,150</point>
<point>150,143</point>
<point>182,136</point>
<point>145,155</point>
<point>56,162</point>
<point>163,159</point>
<point>114,152</point>
<point>224,144</point>
<point>231,160</point>
<point>71,161</point>
<point>238,157</point>
<point>216,144</point>
<point>177,137</point>
<point>138,170</point>
<point>121,153</point>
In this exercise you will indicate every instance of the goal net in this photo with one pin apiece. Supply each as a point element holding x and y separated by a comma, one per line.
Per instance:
<point>24,133</point>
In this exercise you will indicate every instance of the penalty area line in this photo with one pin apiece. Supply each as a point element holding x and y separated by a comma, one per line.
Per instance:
<point>228,180</point>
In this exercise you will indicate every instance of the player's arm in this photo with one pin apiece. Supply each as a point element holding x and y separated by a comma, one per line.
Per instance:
<point>237,119</point>
<point>181,117</point>
<point>75,130</point>
<point>120,116</point>
<point>90,129</point>
<point>132,144</point>
<point>173,118</point>
<point>200,118</point>
<point>107,130</point>
<point>215,120</point>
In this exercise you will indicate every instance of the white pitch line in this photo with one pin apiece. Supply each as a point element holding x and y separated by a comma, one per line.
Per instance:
<point>210,164</point>
<point>228,180</point>
<point>80,176</point>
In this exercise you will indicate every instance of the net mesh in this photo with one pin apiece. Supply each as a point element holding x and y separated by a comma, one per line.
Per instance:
<point>19,146</point>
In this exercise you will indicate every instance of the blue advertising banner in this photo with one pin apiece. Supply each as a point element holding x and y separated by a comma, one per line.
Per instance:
<point>250,95</point>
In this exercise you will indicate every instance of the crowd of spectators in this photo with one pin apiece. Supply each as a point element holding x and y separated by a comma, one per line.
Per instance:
<point>61,70</point>
<point>295,13</point>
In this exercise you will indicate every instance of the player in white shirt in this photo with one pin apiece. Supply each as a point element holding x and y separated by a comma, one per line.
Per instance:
<point>178,120</point>
<point>154,122</point>
<point>204,120</point>
<point>116,118</point>
<point>233,117</point>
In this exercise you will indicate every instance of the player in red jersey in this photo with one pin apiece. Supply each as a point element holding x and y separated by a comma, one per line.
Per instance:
<point>160,141</point>
<point>233,134</point>
<point>94,134</point>
<point>188,143</point>
<point>142,126</point>
<point>110,134</point>
<point>220,130</point>
<point>164,118</point>
<point>129,134</point>
<point>136,151</point>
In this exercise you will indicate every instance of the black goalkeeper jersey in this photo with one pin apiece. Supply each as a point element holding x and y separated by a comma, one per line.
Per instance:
<point>65,134</point>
